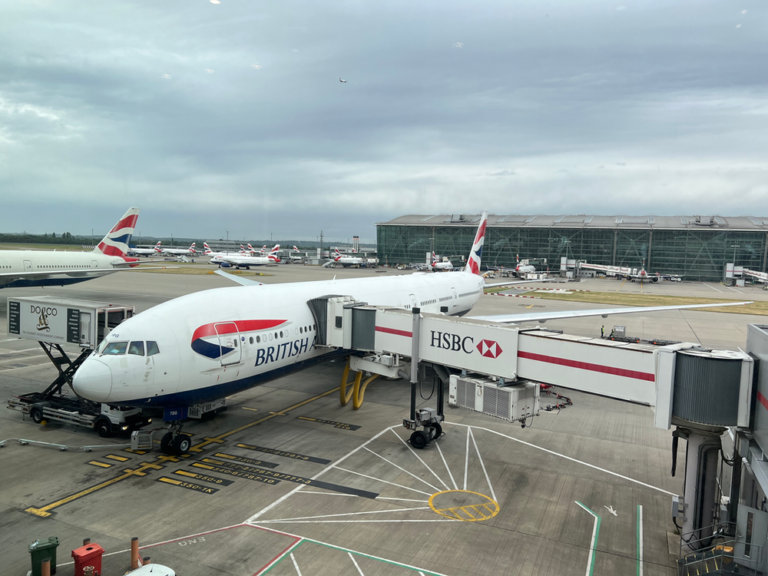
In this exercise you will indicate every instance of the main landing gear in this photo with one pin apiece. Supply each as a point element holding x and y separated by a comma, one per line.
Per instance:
<point>174,442</point>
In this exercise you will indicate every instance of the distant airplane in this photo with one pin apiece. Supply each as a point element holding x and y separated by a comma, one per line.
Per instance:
<point>180,251</point>
<point>631,274</point>
<point>295,249</point>
<point>27,268</point>
<point>342,81</point>
<point>147,251</point>
<point>521,269</point>
<point>246,260</point>
<point>438,265</point>
<point>347,261</point>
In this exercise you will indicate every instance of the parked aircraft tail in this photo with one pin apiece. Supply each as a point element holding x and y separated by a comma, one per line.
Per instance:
<point>116,242</point>
<point>473,262</point>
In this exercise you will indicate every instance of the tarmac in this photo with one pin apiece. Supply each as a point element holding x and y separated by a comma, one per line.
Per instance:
<point>287,481</point>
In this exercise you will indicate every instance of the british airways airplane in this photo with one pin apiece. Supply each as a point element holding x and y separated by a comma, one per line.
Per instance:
<point>28,268</point>
<point>207,345</point>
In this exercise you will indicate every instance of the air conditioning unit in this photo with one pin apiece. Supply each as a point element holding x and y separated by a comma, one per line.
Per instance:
<point>511,403</point>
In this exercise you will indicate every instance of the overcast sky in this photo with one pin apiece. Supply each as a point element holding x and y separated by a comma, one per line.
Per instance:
<point>229,116</point>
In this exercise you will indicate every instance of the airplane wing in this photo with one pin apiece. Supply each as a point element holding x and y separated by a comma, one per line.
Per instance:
<point>605,312</point>
<point>238,279</point>
<point>496,284</point>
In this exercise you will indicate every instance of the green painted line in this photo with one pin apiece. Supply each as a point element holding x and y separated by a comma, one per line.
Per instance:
<point>283,556</point>
<point>639,540</point>
<point>390,562</point>
<point>593,545</point>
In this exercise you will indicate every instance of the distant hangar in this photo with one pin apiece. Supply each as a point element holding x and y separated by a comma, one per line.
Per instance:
<point>697,247</point>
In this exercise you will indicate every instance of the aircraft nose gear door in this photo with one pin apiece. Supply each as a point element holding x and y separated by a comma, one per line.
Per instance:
<point>229,343</point>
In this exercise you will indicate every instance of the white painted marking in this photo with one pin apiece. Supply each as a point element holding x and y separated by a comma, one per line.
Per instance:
<point>421,574</point>
<point>734,289</point>
<point>295,565</point>
<point>713,288</point>
<point>455,486</point>
<point>436,489</point>
<point>323,471</point>
<point>400,499</point>
<point>487,479</point>
<point>587,464</point>
<point>611,510</point>
<point>384,481</point>
<point>350,521</point>
<point>18,351</point>
<point>10,339</point>
<point>24,358</point>
<point>355,563</point>
<point>640,539</point>
<point>420,460</point>
<point>345,514</point>
<point>466,461</point>
<point>594,537</point>
<point>27,367</point>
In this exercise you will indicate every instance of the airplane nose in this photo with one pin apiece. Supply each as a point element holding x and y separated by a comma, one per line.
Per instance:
<point>93,380</point>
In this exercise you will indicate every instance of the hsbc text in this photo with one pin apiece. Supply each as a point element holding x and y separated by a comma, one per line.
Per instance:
<point>453,342</point>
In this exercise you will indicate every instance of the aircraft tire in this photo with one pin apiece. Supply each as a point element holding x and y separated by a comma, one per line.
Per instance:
<point>419,440</point>
<point>181,444</point>
<point>165,443</point>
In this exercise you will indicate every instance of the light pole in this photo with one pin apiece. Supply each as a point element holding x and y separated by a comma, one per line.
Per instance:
<point>734,246</point>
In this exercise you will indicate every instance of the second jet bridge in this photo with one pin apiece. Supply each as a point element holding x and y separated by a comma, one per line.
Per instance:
<point>625,371</point>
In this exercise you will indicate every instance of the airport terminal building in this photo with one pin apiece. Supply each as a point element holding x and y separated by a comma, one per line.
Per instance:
<point>696,247</point>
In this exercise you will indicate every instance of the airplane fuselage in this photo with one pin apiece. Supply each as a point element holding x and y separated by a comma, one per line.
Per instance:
<point>51,261</point>
<point>219,342</point>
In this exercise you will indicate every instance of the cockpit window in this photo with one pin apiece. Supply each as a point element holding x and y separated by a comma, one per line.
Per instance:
<point>136,348</point>
<point>152,348</point>
<point>115,348</point>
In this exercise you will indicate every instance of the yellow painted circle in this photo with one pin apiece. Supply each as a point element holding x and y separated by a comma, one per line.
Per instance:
<point>464,505</point>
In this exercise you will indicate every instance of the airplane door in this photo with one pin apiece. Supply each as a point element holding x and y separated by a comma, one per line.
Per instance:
<point>455,301</point>
<point>27,265</point>
<point>94,264</point>
<point>229,343</point>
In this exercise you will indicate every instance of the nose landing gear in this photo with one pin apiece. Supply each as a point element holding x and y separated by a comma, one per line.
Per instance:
<point>174,442</point>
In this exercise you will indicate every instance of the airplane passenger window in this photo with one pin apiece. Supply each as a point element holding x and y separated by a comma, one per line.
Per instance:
<point>301,329</point>
<point>115,348</point>
<point>281,333</point>
<point>251,339</point>
<point>152,348</point>
<point>258,339</point>
<point>136,348</point>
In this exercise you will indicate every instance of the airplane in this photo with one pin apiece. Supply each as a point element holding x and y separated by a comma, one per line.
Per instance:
<point>342,81</point>
<point>218,257</point>
<point>246,260</point>
<point>437,265</point>
<point>146,251</point>
<point>180,251</point>
<point>631,274</point>
<point>521,269</point>
<point>27,268</point>
<point>295,249</point>
<point>211,344</point>
<point>347,261</point>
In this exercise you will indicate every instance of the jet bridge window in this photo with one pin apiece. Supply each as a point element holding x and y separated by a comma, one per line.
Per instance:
<point>136,348</point>
<point>115,348</point>
<point>152,348</point>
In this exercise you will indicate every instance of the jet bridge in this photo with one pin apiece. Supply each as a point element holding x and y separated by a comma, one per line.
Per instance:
<point>700,392</point>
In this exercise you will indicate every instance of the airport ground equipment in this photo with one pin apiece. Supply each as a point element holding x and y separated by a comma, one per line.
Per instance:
<point>140,440</point>
<point>56,322</point>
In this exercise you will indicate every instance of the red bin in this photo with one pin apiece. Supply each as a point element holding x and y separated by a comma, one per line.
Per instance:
<point>88,555</point>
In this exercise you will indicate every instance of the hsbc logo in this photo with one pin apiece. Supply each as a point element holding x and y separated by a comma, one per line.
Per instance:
<point>489,349</point>
<point>466,344</point>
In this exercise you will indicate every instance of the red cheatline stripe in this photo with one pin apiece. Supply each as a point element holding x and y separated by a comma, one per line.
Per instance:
<point>587,366</point>
<point>762,399</point>
<point>129,222</point>
<point>230,327</point>
<point>393,331</point>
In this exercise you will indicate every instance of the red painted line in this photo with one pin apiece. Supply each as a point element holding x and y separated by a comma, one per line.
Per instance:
<point>762,399</point>
<point>393,331</point>
<point>277,558</point>
<point>588,366</point>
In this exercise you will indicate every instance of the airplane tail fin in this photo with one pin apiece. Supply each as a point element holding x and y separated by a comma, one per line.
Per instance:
<point>207,248</point>
<point>158,249</point>
<point>116,242</point>
<point>473,262</point>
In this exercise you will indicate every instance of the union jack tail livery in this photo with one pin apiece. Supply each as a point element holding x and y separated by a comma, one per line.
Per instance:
<point>473,262</point>
<point>158,248</point>
<point>434,259</point>
<point>116,242</point>
<point>207,248</point>
<point>263,249</point>
<point>354,251</point>
<point>295,249</point>
<point>192,249</point>
<point>273,253</point>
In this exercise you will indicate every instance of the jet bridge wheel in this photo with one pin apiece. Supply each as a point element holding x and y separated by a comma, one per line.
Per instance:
<point>419,439</point>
